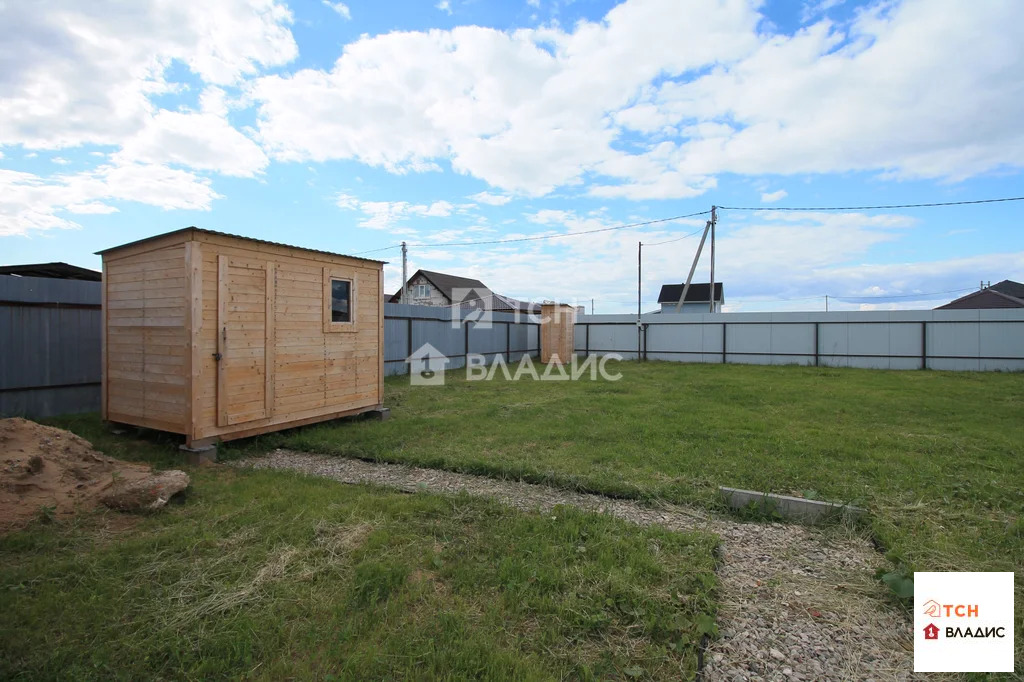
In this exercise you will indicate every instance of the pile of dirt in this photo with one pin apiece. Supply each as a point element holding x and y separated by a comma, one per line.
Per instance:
<point>50,471</point>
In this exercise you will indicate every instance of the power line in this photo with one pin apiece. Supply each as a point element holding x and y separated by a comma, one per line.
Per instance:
<point>867,208</point>
<point>691,215</point>
<point>383,248</point>
<point>567,234</point>
<point>544,236</point>
<point>933,293</point>
<point>780,300</point>
<point>669,241</point>
<point>855,298</point>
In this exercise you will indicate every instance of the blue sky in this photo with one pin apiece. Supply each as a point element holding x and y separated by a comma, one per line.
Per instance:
<point>353,126</point>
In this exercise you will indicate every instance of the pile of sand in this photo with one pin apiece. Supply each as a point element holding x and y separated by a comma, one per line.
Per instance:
<point>46,470</point>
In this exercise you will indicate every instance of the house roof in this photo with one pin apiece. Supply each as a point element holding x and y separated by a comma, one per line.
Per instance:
<point>52,270</point>
<point>507,303</point>
<point>446,284</point>
<point>1010,288</point>
<point>201,230</point>
<point>1005,294</point>
<point>698,293</point>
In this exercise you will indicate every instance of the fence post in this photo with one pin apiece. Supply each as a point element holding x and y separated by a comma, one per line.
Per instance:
<point>924,345</point>
<point>508,342</point>
<point>817,351</point>
<point>724,347</point>
<point>586,339</point>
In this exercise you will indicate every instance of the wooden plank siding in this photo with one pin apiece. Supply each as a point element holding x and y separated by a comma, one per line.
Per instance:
<point>169,302</point>
<point>145,339</point>
<point>557,341</point>
<point>310,373</point>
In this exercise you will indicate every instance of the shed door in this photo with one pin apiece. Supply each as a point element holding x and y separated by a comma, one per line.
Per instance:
<point>245,321</point>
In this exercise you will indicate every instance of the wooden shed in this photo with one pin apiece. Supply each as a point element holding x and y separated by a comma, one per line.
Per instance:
<point>216,337</point>
<point>557,338</point>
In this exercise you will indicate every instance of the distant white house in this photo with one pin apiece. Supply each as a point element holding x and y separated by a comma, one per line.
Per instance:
<point>440,289</point>
<point>698,298</point>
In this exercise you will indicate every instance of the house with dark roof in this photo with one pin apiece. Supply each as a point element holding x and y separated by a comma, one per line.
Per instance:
<point>1005,294</point>
<point>427,287</point>
<point>698,298</point>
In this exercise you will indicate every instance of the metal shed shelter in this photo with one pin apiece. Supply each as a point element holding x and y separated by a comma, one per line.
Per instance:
<point>217,337</point>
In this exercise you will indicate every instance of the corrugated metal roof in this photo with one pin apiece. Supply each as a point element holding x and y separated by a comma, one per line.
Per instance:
<point>234,236</point>
<point>53,271</point>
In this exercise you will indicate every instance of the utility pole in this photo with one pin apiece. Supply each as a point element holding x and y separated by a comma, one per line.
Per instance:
<point>712,294</point>
<point>405,273</point>
<point>826,303</point>
<point>591,306</point>
<point>689,278</point>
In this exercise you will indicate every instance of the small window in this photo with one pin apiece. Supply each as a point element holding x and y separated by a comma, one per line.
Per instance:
<point>341,300</point>
<point>341,291</point>
<point>422,291</point>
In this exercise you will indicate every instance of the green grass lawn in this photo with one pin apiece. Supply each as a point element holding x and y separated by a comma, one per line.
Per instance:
<point>269,575</point>
<point>937,457</point>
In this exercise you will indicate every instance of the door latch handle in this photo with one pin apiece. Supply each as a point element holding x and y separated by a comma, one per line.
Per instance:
<point>218,357</point>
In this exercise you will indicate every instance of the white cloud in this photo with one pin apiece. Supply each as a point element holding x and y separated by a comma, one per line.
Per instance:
<point>444,6</point>
<point>203,140</point>
<point>816,8</point>
<point>526,111</point>
<point>491,199</point>
<point>385,215</point>
<point>90,208</point>
<point>771,197</point>
<point>904,88</point>
<point>30,203</point>
<point>341,8</point>
<point>75,73</point>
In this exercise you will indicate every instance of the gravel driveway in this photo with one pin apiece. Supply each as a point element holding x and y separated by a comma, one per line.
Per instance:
<point>797,603</point>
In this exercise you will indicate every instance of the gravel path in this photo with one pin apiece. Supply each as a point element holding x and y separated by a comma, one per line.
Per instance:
<point>797,603</point>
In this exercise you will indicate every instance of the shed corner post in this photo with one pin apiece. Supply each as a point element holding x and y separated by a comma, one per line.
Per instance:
<point>193,329</point>
<point>104,342</point>
<point>380,337</point>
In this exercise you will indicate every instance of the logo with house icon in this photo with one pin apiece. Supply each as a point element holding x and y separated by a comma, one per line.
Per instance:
<point>931,631</point>
<point>426,366</point>
<point>932,608</point>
